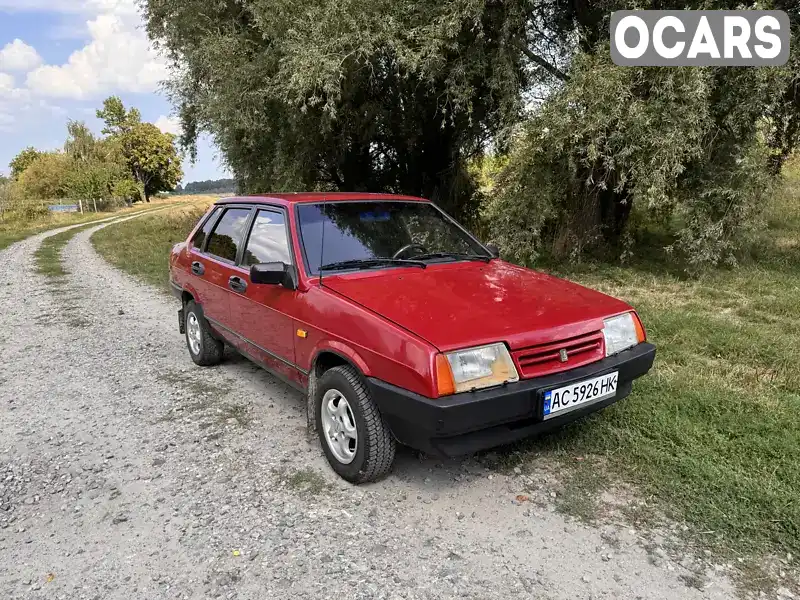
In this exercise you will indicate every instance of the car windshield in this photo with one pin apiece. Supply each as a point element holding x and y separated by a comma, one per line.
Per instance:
<point>381,234</point>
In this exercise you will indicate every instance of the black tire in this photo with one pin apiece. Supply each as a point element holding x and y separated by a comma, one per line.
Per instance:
<point>376,446</point>
<point>211,349</point>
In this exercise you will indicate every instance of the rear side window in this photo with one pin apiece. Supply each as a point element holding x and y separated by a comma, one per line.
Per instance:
<point>200,237</point>
<point>268,241</point>
<point>228,234</point>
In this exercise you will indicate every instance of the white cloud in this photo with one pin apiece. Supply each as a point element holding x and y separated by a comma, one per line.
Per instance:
<point>19,56</point>
<point>169,124</point>
<point>6,83</point>
<point>118,58</point>
<point>10,94</point>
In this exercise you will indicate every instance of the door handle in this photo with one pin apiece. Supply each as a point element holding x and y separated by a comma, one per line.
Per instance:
<point>237,284</point>
<point>198,268</point>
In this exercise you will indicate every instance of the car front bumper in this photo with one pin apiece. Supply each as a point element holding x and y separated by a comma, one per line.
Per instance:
<point>472,421</point>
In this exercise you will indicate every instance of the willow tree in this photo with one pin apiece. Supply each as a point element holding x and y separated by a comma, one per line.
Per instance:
<point>398,96</point>
<point>695,149</point>
<point>353,95</point>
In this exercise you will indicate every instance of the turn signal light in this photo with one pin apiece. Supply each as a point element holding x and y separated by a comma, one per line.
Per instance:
<point>641,336</point>
<point>445,385</point>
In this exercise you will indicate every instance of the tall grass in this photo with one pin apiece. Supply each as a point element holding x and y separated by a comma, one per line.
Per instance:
<point>141,246</point>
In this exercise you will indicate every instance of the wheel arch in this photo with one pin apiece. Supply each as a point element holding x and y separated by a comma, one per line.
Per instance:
<point>324,358</point>
<point>189,293</point>
<point>336,354</point>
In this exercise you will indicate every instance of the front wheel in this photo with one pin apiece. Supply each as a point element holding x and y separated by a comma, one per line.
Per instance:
<point>356,440</point>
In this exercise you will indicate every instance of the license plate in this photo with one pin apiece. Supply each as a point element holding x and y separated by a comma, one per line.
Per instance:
<point>574,395</point>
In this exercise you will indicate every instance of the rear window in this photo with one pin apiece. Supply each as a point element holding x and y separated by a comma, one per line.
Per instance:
<point>228,234</point>
<point>200,237</point>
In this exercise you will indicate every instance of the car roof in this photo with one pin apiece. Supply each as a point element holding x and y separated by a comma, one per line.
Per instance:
<point>286,199</point>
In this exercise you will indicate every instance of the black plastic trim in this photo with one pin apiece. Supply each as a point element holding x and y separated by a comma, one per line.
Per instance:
<point>471,421</point>
<point>271,371</point>
<point>176,290</point>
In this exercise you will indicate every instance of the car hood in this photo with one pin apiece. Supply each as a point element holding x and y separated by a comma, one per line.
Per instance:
<point>458,305</point>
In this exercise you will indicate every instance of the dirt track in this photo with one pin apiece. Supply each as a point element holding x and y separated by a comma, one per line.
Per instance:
<point>127,472</point>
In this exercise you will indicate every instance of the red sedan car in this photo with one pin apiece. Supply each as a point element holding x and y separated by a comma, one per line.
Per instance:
<point>399,325</point>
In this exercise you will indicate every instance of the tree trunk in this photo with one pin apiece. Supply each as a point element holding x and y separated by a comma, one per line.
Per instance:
<point>594,216</point>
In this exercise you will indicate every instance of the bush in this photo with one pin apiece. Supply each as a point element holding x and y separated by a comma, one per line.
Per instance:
<point>684,145</point>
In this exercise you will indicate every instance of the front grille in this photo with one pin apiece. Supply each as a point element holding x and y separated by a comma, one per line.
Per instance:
<point>545,359</point>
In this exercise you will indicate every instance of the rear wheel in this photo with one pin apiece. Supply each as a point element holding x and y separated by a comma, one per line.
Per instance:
<point>356,440</point>
<point>204,349</point>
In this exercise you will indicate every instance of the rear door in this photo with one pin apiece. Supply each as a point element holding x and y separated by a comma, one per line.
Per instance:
<point>219,260</point>
<point>261,313</point>
<point>200,287</point>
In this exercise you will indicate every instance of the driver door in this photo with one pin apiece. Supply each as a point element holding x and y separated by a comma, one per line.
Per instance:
<point>261,313</point>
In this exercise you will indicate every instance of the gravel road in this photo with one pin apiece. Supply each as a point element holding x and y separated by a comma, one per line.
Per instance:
<point>127,472</point>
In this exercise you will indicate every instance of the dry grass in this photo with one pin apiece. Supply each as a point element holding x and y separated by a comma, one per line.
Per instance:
<point>141,246</point>
<point>14,230</point>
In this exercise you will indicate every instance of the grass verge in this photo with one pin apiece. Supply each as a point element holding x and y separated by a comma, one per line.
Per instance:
<point>12,231</point>
<point>711,436</point>
<point>48,255</point>
<point>141,246</point>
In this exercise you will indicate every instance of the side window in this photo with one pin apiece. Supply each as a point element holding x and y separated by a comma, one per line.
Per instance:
<point>268,241</point>
<point>202,233</point>
<point>228,234</point>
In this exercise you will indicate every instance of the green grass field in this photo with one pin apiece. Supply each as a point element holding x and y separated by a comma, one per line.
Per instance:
<point>712,436</point>
<point>141,246</point>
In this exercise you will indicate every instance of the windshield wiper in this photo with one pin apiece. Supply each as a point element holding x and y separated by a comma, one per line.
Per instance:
<point>366,263</point>
<point>454,255</point>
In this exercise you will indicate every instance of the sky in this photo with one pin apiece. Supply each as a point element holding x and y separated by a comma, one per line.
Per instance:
<point>59,59</point>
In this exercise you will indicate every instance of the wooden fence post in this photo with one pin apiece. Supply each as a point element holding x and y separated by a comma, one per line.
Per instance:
<point>80,205</point>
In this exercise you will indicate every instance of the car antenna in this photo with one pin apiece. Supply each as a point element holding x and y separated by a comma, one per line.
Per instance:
<point>322,241</point>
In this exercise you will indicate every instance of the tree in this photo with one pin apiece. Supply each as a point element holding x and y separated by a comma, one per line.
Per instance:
<point>118,120</point>
<point>152,158</point>
<point>694,149</point>
<point>211,185</point>
<point>45,177</point>
<point>150,155</point>
<point>400,96</point>
<point>356,95</point>
<point>81,143</point>
<point>22,161</point>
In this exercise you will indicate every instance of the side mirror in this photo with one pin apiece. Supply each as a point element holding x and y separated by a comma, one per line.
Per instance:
<point>274,273</point>
<point>494,249</point>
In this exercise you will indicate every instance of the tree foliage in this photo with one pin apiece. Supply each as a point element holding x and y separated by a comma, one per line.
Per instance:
<point>22,161</point>
<point>210,185</point>
<point>356,95</point>
<point>407,96</point>
<point>133,161</point>
<point>150,155</point>
<point>45,177</point>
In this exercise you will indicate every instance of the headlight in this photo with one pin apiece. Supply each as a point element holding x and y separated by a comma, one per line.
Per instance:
<point>622,332</point>
<point>475,368</point>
